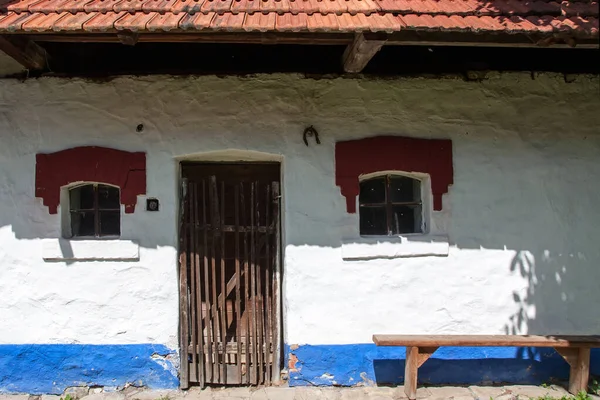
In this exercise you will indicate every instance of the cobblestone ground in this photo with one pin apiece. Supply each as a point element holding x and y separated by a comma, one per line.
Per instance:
<point>315,393</point>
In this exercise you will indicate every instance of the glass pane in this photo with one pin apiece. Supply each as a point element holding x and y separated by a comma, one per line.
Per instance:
<point>405,190</point>
<point>110,223</point>
<point>373,221</point>
<point>372,191</point>
<point>82,223</point>
<point>406,219</point>
<point>82,197</point>
<point>108,197</point>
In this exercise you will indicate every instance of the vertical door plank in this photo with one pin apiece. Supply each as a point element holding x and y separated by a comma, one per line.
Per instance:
<point>238,311</point>
<point>183,299</point>
<point>192,257</point>
<point>223,313</point>
<point>276,274</point>
<point>259,294</point>
<point>253,335</point>
<point>198,292</point>
<point>214,215</point>
<point>246,290</point>
<point>207,303</point>
<point>267,298</point>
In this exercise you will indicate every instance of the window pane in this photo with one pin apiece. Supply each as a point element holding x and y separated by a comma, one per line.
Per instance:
<point>405,190</point>
<point>110,223</point>
<point>82,197</point>
<point>82,223</point>
<point>373,221</point>
<point>108,197</point>
<point>406,219</point>
<point>372,191</point>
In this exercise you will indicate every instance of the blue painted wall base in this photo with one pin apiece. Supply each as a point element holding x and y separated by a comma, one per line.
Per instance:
<point>348,365</point>
<point>50,368</point>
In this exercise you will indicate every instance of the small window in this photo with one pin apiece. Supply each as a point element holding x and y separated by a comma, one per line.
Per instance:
<point>95,211</point>
<point>390,205</point>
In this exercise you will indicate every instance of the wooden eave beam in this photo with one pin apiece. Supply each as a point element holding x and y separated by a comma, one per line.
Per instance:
<point>358,54</point>
<point>25,51</point>
<point>402,38</point>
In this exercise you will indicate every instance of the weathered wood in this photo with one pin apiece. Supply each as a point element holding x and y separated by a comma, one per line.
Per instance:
<point>214,218</point>
<point>254,357</point>
<point>246,291</point>
<point>487,340</point>
<point>410,372</point>
<point>209,337</point>
<point>25,51</point>
<point>183,305</point>
<point>238,302</point>
<point>358,54</point>
<point>260,297</point>
<point>404,37</point>
<point>579,361</point>
<point>267,304</point>
<point>192,256</point>
<point>233,228</point>
<point>223,314</point>
<point>238,329</point>
<point>276,302</point>
<point>425,353</point>
<point>128,38</point>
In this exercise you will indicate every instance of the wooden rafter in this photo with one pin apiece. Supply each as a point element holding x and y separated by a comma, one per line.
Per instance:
<point>25,51</point>
<point>359,53</point>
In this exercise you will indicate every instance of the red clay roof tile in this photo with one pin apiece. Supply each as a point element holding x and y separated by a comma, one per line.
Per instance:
<point>72,22</point>
<point>228,22</point>
<point>103,22</point>
<point>196,21</point>
<point>277,6</point>
<point>103,6</point>
<point>511,16</point>
<point>14,21</point>
<point>259,22</point>
<point>22,5</point>
<point>290,22</point>
<point>134,22</point>
<point>42,23</point>
<point>186,6</point>
<point>164,22</point>
<point>218,6</point>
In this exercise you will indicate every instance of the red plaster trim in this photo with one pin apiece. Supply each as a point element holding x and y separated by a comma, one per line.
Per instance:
<point>354,158</point>
<point>90,164</point>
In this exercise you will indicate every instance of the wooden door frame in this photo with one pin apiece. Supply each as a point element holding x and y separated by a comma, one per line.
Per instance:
<point>278,356</point>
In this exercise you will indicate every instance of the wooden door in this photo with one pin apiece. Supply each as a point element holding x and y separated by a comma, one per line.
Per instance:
<point>229,274</point>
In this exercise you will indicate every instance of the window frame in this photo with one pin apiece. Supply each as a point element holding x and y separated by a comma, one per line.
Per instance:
<point>96,209</point>
<point>424,202</point>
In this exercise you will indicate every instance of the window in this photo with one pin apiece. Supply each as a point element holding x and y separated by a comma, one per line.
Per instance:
<point>95,211</point>
<point>390,205</point>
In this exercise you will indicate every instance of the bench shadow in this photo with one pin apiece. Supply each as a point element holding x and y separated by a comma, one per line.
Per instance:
<point>531,367</point>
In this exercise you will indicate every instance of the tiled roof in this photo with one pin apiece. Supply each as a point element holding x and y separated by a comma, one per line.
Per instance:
<point>579,18</point>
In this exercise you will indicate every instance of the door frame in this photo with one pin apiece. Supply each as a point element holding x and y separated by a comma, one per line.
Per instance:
<point>278,356</point>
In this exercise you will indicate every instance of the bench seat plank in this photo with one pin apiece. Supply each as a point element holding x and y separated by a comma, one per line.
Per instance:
<point>487,340</point>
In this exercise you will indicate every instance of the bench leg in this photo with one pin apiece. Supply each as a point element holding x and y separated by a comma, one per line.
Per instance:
<point>410,372</point>
<point>579,360</point>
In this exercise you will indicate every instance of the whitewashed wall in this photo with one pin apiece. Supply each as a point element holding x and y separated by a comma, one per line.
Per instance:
<point>522,216</point>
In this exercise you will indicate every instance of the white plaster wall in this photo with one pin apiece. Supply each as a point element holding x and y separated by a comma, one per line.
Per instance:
<point>522,216</point>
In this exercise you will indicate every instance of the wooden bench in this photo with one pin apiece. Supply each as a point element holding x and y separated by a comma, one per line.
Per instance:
<point>574,349</point>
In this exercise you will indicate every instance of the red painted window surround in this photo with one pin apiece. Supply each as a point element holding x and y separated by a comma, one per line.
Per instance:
<point>354,158</point>
<point>90,164</point>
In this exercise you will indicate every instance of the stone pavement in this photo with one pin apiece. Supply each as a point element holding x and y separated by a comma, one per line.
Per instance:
<point>520,392</point>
